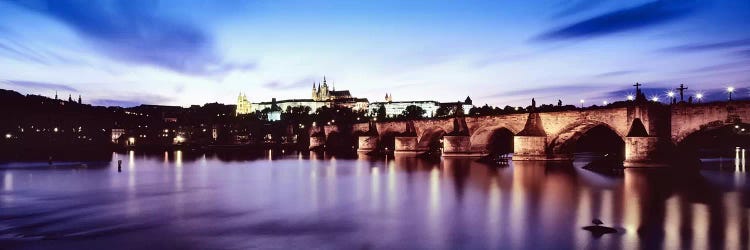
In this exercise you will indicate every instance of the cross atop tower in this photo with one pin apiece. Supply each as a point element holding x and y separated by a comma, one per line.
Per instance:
<point>637,85</point>
<point>681,89</point>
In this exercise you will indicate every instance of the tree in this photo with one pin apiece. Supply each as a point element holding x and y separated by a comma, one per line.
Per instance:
<point>443,111</point>
<point>413,112</point>
<point>381,114</point>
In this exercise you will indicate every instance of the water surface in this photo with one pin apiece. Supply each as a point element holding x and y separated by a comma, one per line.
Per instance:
<point>305,200</point>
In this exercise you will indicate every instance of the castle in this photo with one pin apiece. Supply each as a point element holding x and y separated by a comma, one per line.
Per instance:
<point>321,96</point>
<point>321,93</point>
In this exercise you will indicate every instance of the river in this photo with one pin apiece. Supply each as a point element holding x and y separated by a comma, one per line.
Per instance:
<point>290,200</point>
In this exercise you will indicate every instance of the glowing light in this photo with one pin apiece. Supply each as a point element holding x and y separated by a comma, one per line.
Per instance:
<point>670,94</point>
<point>582,101</point>
<point>630,97</point>
<point>131,140</point>
<point>179,139</point>
<point>736,126</point>
<point>655,98</point>
<point>55,129</point>
<point>605,102</point>
<point>8,136</point>
<point>699,96</point>
<point>730,89</point>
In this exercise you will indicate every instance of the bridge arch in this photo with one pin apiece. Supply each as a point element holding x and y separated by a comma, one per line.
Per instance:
<point>716,135</point>
<point>566,141</point>
<point>430,137</point>
<point>493,139</point>
<point>684,135</point>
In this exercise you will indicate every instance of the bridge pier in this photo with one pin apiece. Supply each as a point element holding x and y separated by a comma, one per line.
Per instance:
<point>458,145</point>
<point>367,143</point>
<point>317,142</point>
<point>407,145</point>
<point>643,151</point>
<point>529,148</point>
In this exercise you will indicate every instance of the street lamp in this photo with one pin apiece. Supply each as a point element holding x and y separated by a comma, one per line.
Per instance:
<point>582,101</point>
<point>699,96</point>
<point>655,98</point>
<point>730,90</point>
<point>605,102</point>
<point>631,97</point>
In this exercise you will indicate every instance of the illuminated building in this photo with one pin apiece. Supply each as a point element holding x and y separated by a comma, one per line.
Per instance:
<point>243,105</point>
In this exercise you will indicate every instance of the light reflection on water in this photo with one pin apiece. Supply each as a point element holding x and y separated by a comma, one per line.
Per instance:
<point>298,200</point>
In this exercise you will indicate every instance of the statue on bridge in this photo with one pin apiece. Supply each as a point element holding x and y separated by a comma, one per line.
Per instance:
<point>639,96</point>
<point>682,88</point>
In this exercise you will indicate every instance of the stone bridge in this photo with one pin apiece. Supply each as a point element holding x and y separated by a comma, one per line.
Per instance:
<point>650,131</point>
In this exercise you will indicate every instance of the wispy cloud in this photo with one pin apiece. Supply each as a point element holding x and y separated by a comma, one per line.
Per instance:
<point>616,73</point>
<point>130,100</point>
<point>132,32</point>
<point>579,6</point>
<point>695,47</point>
<point>278,85</point>
<point>638,17</point>
<point>38,85</point>
<point>547,91</point>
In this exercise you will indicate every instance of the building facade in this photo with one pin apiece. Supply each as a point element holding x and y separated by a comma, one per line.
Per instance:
<point>393,109</point>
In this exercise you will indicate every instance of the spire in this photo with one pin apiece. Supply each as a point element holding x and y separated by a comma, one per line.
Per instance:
<point>325,84</point>
<point>70,98</point>
<point>79,99</point>
<point>55,94</point>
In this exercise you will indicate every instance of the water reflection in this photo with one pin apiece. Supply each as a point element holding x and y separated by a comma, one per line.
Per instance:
<point>269,199</point>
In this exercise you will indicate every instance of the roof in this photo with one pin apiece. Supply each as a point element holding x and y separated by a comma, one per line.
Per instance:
<point>339,93</point>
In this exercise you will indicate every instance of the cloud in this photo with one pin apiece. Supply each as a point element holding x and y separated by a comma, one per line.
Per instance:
<point>578,7</point>
<point>38,85</point>
<point>642,16</point>
<point>131,32</point>
<point>278,85</point>
<point>549,91</point>
<point>616,73</point>
<point>130,100</point>
<point>722,66</point>
<point>697,47</point>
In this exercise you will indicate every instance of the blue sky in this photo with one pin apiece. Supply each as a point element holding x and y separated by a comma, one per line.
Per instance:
<point>497,52</point>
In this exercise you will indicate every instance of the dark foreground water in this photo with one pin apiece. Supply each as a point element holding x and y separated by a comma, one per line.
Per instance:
<point>300,201</point>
